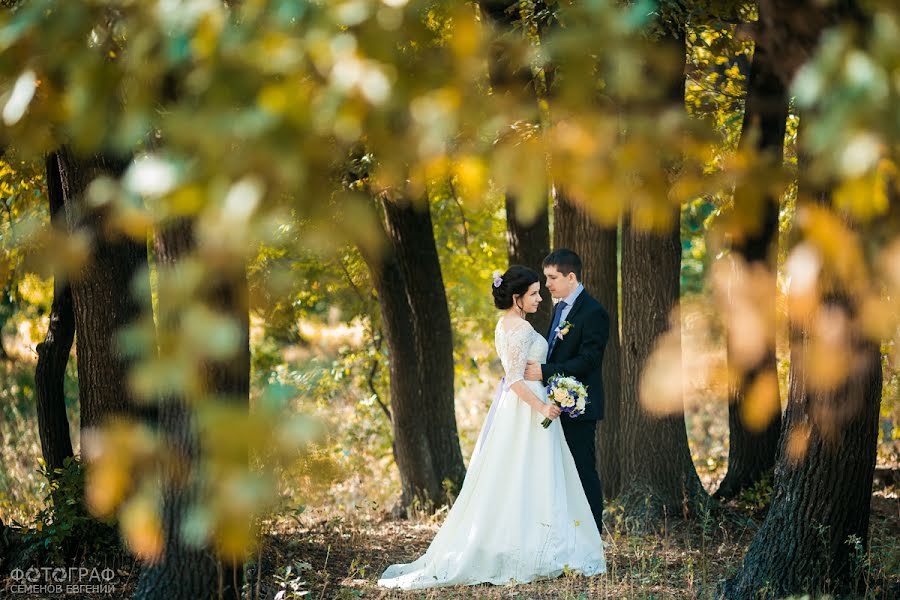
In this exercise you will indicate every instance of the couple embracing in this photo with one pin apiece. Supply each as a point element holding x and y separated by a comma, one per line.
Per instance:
<point>531,503</point>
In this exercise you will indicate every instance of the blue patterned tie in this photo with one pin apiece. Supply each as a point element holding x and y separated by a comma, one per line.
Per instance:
<point>556,318</point>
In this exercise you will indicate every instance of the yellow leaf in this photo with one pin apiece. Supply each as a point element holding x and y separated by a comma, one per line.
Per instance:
<point>798,443</point>
<point>878,316</point>
<point>761,403</point>
<point>662,382</point>
<point>134,223</point>
<point>274,99</point>
<point>471,179</point>
<point>108,481</point>
<point>186,201</point>
<point>864,197</point>
<point>234,537</point>
<point>207,35</point>
<point>142,528</point>
<point>838,245</point>
<point>466,33</point>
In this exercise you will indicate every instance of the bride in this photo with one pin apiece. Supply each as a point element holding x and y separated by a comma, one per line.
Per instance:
<point>521,513</point>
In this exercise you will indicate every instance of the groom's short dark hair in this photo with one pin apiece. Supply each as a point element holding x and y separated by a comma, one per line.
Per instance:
<point>565,262</point>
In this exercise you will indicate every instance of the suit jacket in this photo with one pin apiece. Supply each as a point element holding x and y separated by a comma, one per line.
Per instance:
<point>580,352</point>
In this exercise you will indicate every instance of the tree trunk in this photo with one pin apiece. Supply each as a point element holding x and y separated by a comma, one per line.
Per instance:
<point>7,310</point>
<point>816,530</point>
<point>820,507</point>
<point>598,249</point>
<point>53,352</point>
<point>185,572</point>
<point>229,381</point>
<point>656,461</point>
<point>527,243</point>
<point>102,297</point>
<point>656,467</point>
<point>417,325</point>
<point>751,453</point>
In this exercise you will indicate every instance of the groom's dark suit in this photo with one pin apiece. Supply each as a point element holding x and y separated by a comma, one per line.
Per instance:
<point>580,354</point>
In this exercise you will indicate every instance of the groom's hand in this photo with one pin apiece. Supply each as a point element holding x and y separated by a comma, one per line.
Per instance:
<point>533,371</point>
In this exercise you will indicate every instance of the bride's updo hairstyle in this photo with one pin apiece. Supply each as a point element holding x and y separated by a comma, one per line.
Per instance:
<point>515,282</point>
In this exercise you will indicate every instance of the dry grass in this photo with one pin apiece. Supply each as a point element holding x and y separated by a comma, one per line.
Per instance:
<point>340,556</point>
<point>343,540</point>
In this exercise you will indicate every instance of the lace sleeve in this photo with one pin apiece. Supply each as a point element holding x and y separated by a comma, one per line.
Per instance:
<point>517,343</point>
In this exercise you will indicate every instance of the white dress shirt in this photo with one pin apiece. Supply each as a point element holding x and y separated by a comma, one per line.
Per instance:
<point>570,301</point>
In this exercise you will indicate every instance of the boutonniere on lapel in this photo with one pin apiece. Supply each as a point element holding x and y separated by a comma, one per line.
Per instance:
<point>562,329</point>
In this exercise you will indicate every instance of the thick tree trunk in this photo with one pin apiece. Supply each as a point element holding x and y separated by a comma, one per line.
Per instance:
<point>185,572</point>
<point>656,461</point>
<point>53,352</point>
<point>656,467</point>
<point>412,235</point>
<point>751,453</point>
<point>527,243</point>
<point>819,517</point>
<point>417,325</point>
<point>418,474</point>
<point>791,29</point>
<point>598,249</point>
<point>101,294</point>
<point>820,506</point>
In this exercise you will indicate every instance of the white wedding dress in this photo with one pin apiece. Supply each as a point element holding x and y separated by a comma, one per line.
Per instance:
<point>521,514</point>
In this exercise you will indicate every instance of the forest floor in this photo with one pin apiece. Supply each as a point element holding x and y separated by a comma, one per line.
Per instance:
<point>338,544</point>
<point>321,555</point>
<point>340,556</point>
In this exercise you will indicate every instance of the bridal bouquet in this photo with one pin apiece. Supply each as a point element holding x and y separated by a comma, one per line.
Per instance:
<point>569,394</point>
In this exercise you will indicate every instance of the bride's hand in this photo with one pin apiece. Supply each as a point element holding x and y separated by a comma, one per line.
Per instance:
<point>551,411</point>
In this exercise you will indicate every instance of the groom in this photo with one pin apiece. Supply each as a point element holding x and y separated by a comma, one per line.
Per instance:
<point>577,339</point>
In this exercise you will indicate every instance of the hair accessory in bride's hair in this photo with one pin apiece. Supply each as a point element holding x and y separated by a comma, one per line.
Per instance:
<point>498,279</point>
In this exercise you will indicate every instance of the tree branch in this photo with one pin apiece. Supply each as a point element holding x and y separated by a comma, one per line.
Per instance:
<point>462,217</point>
